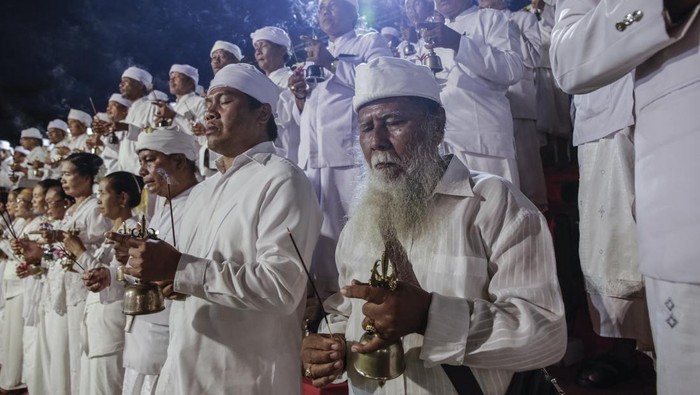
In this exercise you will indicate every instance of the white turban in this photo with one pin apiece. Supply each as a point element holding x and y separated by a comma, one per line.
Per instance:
<point>139,75</point>
<point>355,4</point>
<point>168,140</point>
<point>5,145</point>
<point>247,79</point>
<point>116,97</point>
<point>273,35</point>
<point>80,116</point>
<point>228,47</point>
<point>186,70</point>
<point>157,95</point>
<point>393,77</point>
<point>22,150</point>
<point>31,133</point>
<point>58,124</point>
<point>391,31</point>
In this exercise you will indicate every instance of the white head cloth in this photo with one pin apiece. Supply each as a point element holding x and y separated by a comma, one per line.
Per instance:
<point>353,3</point>
<point>58,124</point>
<point>139,75</point>
<point>102,116</point>
<point>80,116</point>
<point>116,97</point>
<point>247,79</point>
<point>393,77</point>
<point>272,34</point>
<point>31,133</point>
<point>168,140</point>
<point>391,31</point>
<point>186,70</point>
<point>228,47</point>
<point>199,90</point>
<point>5,145</point>
<point>157,95</point>
<point>21,150</point>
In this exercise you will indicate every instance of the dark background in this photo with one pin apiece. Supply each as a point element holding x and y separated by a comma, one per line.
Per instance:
<point>58,54</point>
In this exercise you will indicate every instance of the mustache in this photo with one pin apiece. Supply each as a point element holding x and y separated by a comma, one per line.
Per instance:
<point>384,157</point>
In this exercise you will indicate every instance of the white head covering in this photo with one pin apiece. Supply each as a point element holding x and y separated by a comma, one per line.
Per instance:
<point>272,34</point>
<point>355,4</point>
<point>199,90</point>
<point>393,77</point>
<point>31,133</point>
<point>168,140</point>
<point>102,116</point>
<point>81,116</point>
<point>139,75</point>
<point>58,124</point>
<point>391,31</point>
<point>116,97</point>
<point>157,95</point>
<point>228,47</point>
<point>5,145</point>
<point>21,150</point>
<point>247,79</point>
<point>186,70</point>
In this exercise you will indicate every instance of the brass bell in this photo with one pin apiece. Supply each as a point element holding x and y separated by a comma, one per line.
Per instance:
<point>313,74</point>
<point>142,299</point>
<point>433,62</point>
<point>409,50</point>
<point>389,362</point>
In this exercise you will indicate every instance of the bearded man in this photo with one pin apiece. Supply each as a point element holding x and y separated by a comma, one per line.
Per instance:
<point>477,282</point>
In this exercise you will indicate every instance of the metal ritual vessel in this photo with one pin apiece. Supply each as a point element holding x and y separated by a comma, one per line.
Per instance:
<point>141,298</point>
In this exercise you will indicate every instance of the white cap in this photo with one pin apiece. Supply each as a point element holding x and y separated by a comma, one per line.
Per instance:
<point>168,140</point>
<point>393,77</point>
<point>228,47</point>
<point>102,116</point>
<point>186,70</point>
<point>139,75</point>
<point>157,95</point>
<point>273,35</point>
<point>81,116</point>
<point>5,145</point>
<point>247,79</point>
<point>116,97</point>
<point>58,124</point>
<point>31,133</point>
<point>391,31</point>
<point>353,3</point>
<point>22,150</point>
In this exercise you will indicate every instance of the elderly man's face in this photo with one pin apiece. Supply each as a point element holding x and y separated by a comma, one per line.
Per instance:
<point>389,128</point>
<point>76,127</point>
<point>180,84</point>
<point>55,135</point>
<point>336,17</point>
<point>232,125</point>
<point>117,111</point>
<point>221,58</point>
<point>269,55</point>
<point>130,88</point>
<point>451,8</point>
<point>156,168</point>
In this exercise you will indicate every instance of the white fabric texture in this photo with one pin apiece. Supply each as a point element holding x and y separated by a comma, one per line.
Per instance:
<point>287,142</point>
<point>168,141</point>
<point>228,47</point>
<point>480,233</point>
<point>187,70</point>
<point>140,75</point>
<point>255,287</point>
<point>272,34</point>
<point>81,116</point>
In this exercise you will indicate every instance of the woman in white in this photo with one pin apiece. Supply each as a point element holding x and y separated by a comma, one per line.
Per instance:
<point>13,323</point>
<point>78,173</point>
<point>101,370</point>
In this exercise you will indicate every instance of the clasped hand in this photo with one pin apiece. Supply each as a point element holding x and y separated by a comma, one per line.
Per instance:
<point>149,260</point>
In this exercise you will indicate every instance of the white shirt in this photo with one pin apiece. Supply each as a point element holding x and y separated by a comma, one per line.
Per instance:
<point>12,284</point>
<point>523,94</point>
<point>487,259</point>
<point>54,155</point>
<point>328,125</point>
<point>287,141</point>
<point>666,93</point>
<point>140,116</point>
<point>474,83</point>
<point>78,144</point>
<point>36,154</point>
<point>188,108</point>
<point>245,283</point>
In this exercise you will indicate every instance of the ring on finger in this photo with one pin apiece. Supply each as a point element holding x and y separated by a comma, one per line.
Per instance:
<point>307,373</point>
<point>369,328</point>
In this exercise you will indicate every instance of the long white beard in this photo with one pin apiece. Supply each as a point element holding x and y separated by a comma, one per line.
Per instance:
<point>386,207</point>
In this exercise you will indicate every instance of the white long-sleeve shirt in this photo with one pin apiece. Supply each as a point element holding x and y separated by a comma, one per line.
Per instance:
<point>239,330</point>
<point>487,258</point>
<point>139,117</point>
<point>474,83</point>
<point>287,141</point>
<point>328,125</point>
<point>523,94</point>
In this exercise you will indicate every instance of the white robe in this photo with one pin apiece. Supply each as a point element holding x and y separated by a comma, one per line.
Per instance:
<point>287,141</point>
<point>240,326</point>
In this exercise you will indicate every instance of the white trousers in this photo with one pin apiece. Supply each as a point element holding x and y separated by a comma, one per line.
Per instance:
<point>136,383</point>
<point>103,375</point>
<point>29,357</point>
<point>675,323</point>
<point>12,333</point>
<point>59,373</point>
<point>38,381</point>
<point>527,156</point>
<point>75,319</point>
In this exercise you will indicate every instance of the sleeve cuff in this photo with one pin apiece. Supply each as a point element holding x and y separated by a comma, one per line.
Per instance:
<point>190,276</point>
<point>446,334</point>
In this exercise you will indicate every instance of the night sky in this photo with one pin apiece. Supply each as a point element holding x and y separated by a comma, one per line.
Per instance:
<point>58,54</point>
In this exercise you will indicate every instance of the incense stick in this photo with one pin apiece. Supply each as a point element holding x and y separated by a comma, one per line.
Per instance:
<point>172,217</point>
<point>94,110</point>
<point>8,223</point>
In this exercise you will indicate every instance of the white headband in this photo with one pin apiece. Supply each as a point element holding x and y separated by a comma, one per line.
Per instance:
<point>139,75</point>
<point>228,47</point>
<point>247,79</point>
<point>80,116</point>
<point>116,97</point>
<point>58,124</point>
<point>186,70</point>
